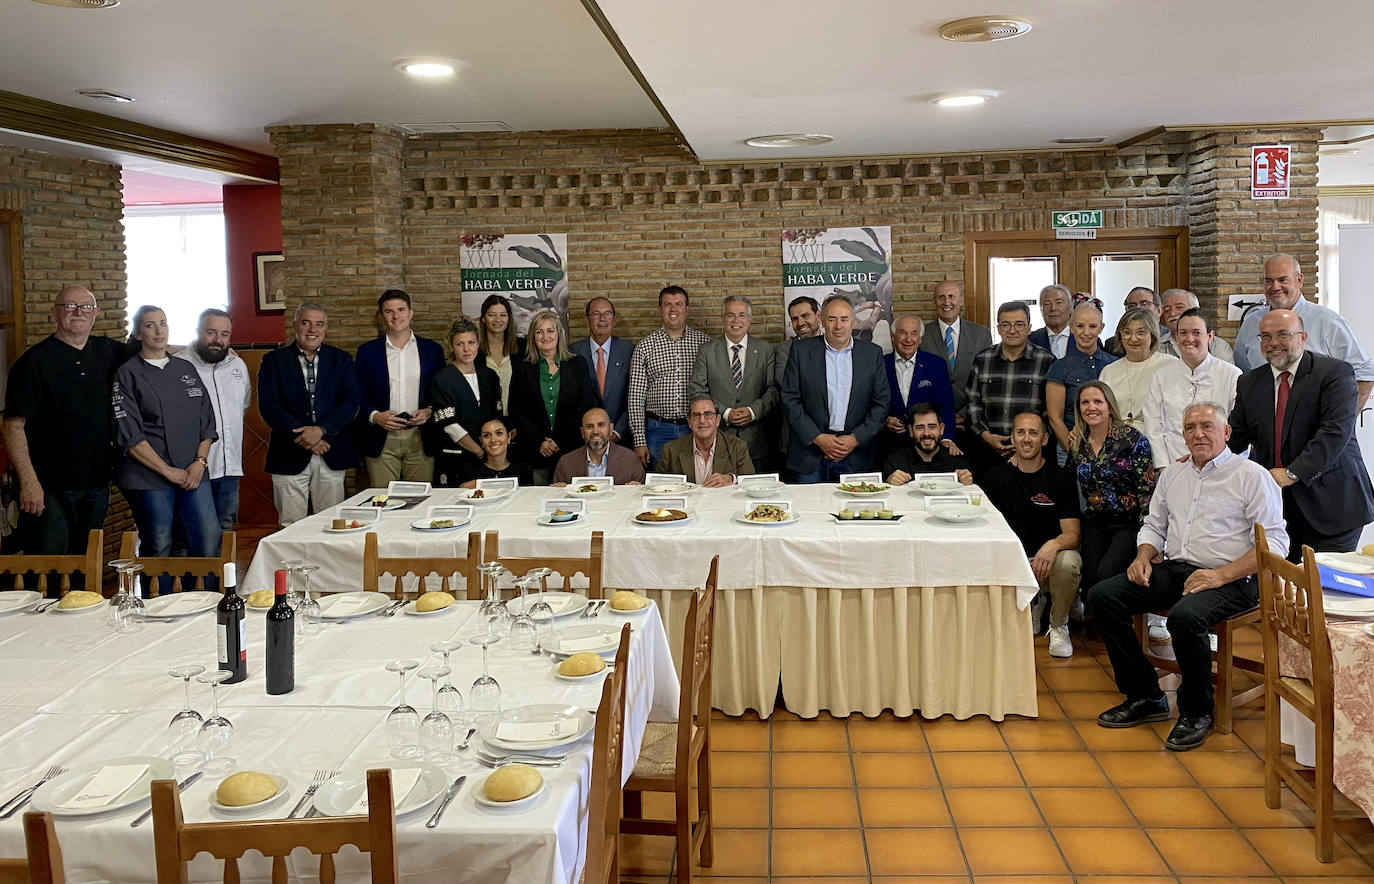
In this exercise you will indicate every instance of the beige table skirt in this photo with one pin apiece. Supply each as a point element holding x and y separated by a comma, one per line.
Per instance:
<point>947,650</point>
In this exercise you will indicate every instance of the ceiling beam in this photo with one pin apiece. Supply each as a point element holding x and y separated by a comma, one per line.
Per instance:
<point>34,116</point>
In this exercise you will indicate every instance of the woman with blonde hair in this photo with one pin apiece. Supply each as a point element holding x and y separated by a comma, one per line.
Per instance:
<point>550,390</point>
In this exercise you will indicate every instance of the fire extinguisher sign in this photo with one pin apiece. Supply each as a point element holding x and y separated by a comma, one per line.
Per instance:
<point>1270,172</point>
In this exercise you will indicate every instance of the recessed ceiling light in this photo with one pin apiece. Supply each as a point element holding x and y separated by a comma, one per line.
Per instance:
<point>429,68</point>
<point>1098,139</point>
<point>984,29</point>
<point>105,95</point>
<point>795,140</point>
<point>967,98</point>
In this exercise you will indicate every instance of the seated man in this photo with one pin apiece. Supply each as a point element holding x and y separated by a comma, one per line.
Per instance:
<point>1039,500</point>
<point>1202,519</point>
<point>924,452</point>
<point>598,457</point>
<point>707,456</point>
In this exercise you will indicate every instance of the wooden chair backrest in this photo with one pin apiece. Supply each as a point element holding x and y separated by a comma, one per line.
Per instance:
<point>178,567</point>
<point>694,703</point>
<point>1291,605</point>
<point>88,564</point>
<point>374,566</point>
<point>176,842</point>
<point>608,754</point>
<point>565,565</point>
<point>43,865</point>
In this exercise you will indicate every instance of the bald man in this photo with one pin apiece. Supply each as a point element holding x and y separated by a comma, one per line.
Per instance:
<point>57,428</point>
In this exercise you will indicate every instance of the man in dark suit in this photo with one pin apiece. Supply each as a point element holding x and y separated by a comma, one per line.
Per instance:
<point>805,315</point>
<point>836,396</point>
<point>1298,411</point>
<point>308,396</point>
<point>914,376</point>
<point>1056,306</point>
<point>706,456</point>
<point>957,341</point>
<point>736,371</point>
<point>608,362</point>
<point>394,374</point>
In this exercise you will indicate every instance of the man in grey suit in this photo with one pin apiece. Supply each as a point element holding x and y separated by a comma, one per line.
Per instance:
<point>836,395</point>
<point>957,341</point>
<point>608,363</point>
<point>805,316</point>
<point>736,371</point>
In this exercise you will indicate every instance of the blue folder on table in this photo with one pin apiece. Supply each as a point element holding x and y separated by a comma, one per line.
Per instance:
<point>1344,581</point>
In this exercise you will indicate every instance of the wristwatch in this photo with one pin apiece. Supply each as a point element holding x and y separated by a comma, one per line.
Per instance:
<point>205,463</point>
<point>1291,475</point>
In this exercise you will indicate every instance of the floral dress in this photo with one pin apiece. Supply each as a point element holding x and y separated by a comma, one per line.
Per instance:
<point>1117,481</point>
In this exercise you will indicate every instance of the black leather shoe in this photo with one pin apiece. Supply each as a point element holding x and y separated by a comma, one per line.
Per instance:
<point>1189,732</point>
<point>1134,712</point>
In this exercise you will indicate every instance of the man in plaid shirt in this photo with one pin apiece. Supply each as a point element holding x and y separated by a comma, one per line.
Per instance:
<point>660,368</point>
<point>1007,379</point>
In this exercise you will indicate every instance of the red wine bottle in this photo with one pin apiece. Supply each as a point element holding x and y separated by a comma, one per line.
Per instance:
<point>232,629</point>
<point>281,638</point>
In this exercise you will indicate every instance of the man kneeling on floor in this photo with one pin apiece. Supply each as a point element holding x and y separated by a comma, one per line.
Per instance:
<point>1201,518</point>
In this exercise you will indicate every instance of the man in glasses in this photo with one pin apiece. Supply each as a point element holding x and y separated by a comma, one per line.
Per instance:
<point>1006,379</point>
<point>707,456</point>
<point>1174,303</point>
<point>57,428</point>
<point>1143,298</point>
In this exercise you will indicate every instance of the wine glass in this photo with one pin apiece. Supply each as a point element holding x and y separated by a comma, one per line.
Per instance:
<point>308,611</point>
<point>184,728</point>
<point>217,733</point>
<point>403,722</point>
<point>436,730</point>
<point>450,698</point>
<point>541,612</point>
<point>522,630</point>
<point>493,612</point>
<point>129,610</point>
<point>485,697</point>
<point>290,566</point>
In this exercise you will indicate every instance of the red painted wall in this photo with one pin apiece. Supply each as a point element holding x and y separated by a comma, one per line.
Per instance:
<point>252,223</point>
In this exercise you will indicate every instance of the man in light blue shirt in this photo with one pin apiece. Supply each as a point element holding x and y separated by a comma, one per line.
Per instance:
<point>1327,333</point>
<point>839,377</point>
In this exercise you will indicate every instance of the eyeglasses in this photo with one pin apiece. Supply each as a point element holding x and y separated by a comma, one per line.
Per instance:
<point>1012,326</point>
<point>703,415</point>
<point>1282,337</point>
<point>76,308</point>
<point>602,314</point>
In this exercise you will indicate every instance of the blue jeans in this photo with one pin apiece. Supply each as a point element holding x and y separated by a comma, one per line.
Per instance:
<point>64,526</point>
<point>225,491</point>
<point>828,471</point>
<point>154,512</point>
<point>659,433</point>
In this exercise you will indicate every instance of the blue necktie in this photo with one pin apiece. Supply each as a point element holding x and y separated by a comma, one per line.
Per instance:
<point>949,346</point>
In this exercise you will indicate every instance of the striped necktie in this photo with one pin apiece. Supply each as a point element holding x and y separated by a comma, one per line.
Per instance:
<point>949,345</point>
<point>736,370</point>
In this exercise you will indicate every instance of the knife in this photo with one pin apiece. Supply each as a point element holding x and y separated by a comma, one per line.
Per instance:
<point>443,805</point>
<point>181,786</point>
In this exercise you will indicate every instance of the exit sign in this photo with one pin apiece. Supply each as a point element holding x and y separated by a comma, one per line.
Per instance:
<point>1077,220</point>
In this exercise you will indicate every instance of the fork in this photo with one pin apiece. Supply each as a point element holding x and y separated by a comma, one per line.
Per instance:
<point>587,611</point>
<point>321,776</point>
<point>394,607</point>
<point>18,801</point>
<point>531,760</point>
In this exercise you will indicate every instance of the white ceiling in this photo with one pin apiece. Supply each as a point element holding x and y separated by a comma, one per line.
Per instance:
<point>725,70</point>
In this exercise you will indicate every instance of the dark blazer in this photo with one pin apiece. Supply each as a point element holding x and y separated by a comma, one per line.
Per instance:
<point>1319,445</point>
<point>929,383</point>
<point>973,339</point>
<point>617,381</point>
<point>374,388</point>
<point>285,406</point>
<point>806,401</point>
<point>732,457</point>
<point>758,390</point>
<point>576,394</point>
<point>453,403</point>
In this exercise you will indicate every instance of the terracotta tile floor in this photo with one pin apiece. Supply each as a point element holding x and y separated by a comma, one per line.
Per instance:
<point>1050,799</point>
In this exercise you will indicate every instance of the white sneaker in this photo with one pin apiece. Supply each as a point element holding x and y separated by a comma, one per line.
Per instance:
<point>1060,644</point>
<point>1037,610</point>
<point>1159,629</point>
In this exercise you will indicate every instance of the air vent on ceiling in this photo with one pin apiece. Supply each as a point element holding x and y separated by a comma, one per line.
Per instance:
<point>80,4</point>
<point>984,29</point>
<point>806,139</point>
<point>449,128</point>
<point>105,95</point>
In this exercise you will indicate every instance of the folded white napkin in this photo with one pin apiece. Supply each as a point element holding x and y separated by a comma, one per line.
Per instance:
<point>403,781</point>
<point>535,731</point>
<point>581,644</point>
<point>105,785</point>
<point>347,604</point>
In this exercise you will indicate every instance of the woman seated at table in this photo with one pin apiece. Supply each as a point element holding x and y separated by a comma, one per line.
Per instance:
<point>497,346</point>
<point>1129,378</point>
<point>464,396</point>
<point>1083,361</point>
<point>495,463</point>
<point>550,390</point>
<point>1116,477</point>
<point>164,425</point>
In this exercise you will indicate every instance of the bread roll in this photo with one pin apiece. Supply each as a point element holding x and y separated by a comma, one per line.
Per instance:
<point>263,598</point>
<point>1367,549</point>
<point>433,601</point>
<point>80,598</point>
<point>512,782</point>
<point>624,600</point>
<point>580,664</point>
<point>244,788</point>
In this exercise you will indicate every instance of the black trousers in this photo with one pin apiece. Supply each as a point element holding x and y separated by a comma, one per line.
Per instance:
<point>1116,600</point>
<point>1300,531</point>
<point>1107,551</point>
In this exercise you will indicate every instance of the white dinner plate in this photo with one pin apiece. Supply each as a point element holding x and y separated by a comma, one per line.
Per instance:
<point>338,795</point>
<point>479,795</point>
<point>181,604</point>
<point>282,792</point>
<point>1369,628</point>
<point>647,524</point>
<point>366,526</point>
<point>547,519</point>
<point>880,488</point>
<point>935,486</point>
<point>574,721</point>
<point>1349,562</point>
<point>761,489</point>
<point>1344,604</point>
<point>409,608</point>
<point>672,487</point>
<point>633,613</point>
<point>341,605</point>
<point>600,491</point>
<point>488,494</point>
<point>59,790</point>
<point>579,679</point>
<point>392,503</point>
<point>423,525</point>
<point>98,606</point>
<point>19,600</point>
<point>956,512</point>
<point>563,603</point>
<point>739,517</point>
<point>609,639</point>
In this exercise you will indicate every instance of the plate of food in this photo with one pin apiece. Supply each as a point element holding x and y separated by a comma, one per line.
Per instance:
<point>671,487</point>
<point>862,489</point>
<point>386,502</point>
<point>348,526</point>
<point>627,603</point>
<point>78,601</point>
<point>430,526</point>
<point>767,514</point>
<point>591,490</point>
<point>432,602</point>
<point>956,512</point>
<point>480,495</point>
<point>661,516</point>
<point>935,486</point>
<point>260,600</point>
<point>560,517</point>
<point>248,791</point>
<point>866,517</point>
<point>580,667</point>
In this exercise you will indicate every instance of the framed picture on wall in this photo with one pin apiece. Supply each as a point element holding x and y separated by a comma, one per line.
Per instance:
<point>268,280</point>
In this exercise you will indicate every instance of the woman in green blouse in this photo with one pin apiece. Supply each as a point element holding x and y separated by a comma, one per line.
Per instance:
<point>550,391</point>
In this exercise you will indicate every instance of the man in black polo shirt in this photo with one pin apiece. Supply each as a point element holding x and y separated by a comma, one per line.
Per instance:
<point>1040,503</point>
<point>57,428</point>
<point>926,453</point>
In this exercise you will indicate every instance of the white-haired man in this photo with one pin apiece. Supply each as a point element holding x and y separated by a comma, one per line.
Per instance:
<point>1173,304</point>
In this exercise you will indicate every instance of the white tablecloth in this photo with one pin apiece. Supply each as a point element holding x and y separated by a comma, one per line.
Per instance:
<point>76,692</point>
<point>920,614</point>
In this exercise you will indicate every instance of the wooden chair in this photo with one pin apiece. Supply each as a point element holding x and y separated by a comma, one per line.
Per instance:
<point>176,842</point>
<point>177,567</point>
<point>44,862</point>
<point>608,755</point>
<point>42,566</point>
<point>374,566</point>
<point>567,565</point>
<point>1291,605</point>
<point>675,756</point>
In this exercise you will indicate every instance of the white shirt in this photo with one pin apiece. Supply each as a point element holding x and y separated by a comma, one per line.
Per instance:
<point>231,394</point>
<point>1327,334</point>
<point>1059,343</point>
<point>743,354</point>
<point>1206,516</point>
<point>458,431</point>
<point>904,369</point>
<point>403,375</point>
<point>1173,389</point>
<point>1130,383</point>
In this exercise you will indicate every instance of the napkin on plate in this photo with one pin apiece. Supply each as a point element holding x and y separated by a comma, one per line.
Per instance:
<point>582,644</point>
<point>535,731</point>
<point>348,604</point>
<point>105,785</point>
<point>403,782</point>
<point>182,604</point>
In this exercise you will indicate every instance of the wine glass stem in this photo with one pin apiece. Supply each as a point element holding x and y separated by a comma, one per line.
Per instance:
<point>214,697</point>
<point>448,679</point>
<point>484,661</point>
<point>187,682</point>
<point>436,695</point>
<point>402,673</point>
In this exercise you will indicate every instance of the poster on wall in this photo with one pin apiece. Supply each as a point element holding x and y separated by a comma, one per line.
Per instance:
<point>852,261</point>
<point>1270,172</point>
<point>527,269</point>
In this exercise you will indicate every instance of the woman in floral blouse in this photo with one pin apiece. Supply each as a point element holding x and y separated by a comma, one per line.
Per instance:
<point>1115,472</point>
